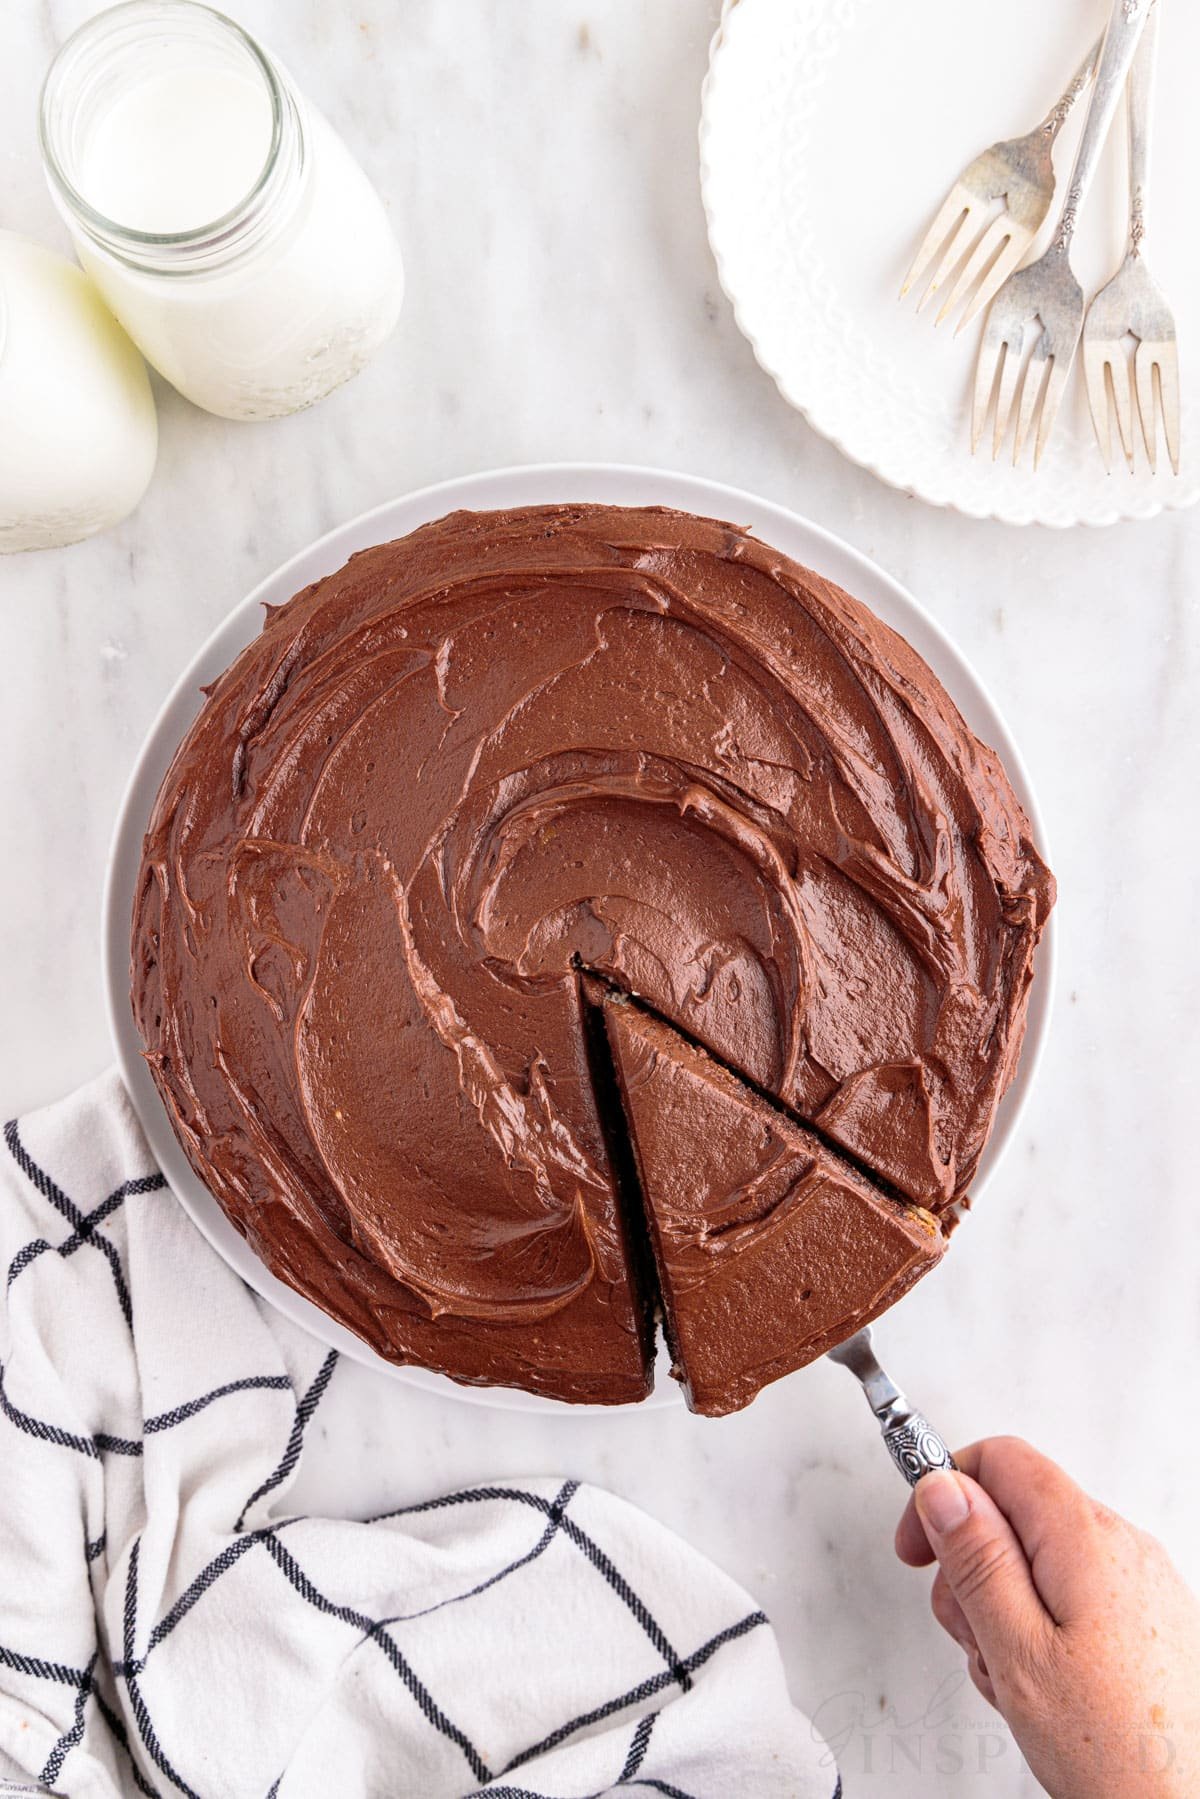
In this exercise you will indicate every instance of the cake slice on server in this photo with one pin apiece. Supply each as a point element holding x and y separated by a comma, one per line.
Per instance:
<point>770,1247</point>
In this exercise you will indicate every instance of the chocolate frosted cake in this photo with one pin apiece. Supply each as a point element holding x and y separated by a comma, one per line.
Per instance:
<point>480,779</point>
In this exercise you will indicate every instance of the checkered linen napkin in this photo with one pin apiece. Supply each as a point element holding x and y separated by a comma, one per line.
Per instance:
<point>166,1626</point>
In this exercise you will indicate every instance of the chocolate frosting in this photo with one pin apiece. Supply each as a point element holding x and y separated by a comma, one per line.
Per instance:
<point>510,744</point>
<point>769,1246</point>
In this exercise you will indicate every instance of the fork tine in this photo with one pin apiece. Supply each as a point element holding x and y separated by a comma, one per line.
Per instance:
<point>955,205</point>
<point>1095,374</point>
<point>1144,365</point>
<point>955,250</point>
<point>997,275</point>
<point>987,367</point>
<point>1031,394</point>
<point>1121,379</point>
<point>1109,391</point>
<point>992,241</point>
<point>985,381</point>
<point>1164,357</point>
<point>1010,382</point>
<point>1168,374</point>
<point>1056,387</point>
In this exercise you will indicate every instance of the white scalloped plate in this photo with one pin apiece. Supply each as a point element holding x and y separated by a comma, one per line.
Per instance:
<point>571,482</point>
<point>831,131</point>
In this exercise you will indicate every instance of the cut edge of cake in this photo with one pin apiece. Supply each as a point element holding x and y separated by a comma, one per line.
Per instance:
<point>751,1219</point>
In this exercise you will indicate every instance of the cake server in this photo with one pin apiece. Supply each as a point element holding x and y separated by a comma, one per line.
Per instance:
<point>913,1444</point>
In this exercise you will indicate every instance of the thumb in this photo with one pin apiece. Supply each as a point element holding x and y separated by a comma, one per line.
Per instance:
<point>985,1566</point>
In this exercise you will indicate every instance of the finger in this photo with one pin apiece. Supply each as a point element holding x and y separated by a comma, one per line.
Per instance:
<point>981,1680</point>
<point>950,1615</point>
<point>984,1563</point>
<point>1054,1519</point>
<point>1044,1505</point>
<point>954,1622</point>
<point>912,1545</point>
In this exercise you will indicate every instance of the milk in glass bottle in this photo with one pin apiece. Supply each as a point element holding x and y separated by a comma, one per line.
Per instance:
<point>224,221</point>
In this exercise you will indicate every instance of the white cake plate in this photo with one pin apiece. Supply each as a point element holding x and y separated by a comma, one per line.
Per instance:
<point>831,132</point>
<point>569,483</point>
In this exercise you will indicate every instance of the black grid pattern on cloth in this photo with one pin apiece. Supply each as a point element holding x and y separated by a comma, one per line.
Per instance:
<point>305,1407</point>
<point>678,1669</point>
<point>84,1224</point>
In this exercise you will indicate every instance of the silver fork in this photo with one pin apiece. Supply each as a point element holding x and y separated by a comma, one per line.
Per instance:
<point>1020,172</point>
<point>1047,290</point>
<point>1134,304</point>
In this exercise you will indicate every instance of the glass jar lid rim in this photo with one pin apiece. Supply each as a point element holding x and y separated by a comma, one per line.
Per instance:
<point>99,223</point>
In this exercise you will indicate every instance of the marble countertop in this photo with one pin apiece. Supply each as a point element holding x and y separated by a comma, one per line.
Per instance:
<point>540,164</point>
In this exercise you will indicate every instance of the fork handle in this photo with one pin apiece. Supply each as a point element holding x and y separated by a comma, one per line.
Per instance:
<point>1125,27</point>
<point>1140,100</point>
<point>1062,109</point>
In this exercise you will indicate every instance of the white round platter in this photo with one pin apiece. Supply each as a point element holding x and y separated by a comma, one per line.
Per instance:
<point>605,484</point>
<point>831,132</point>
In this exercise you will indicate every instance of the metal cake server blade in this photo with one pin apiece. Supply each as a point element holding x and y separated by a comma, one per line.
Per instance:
<point>913,1444</point>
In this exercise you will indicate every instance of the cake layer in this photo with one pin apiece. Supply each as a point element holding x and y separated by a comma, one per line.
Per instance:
<point>508,742</point>
<point>769,1248</point>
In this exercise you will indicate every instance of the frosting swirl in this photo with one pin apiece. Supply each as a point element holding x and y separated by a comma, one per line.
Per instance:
<point>508,745</point>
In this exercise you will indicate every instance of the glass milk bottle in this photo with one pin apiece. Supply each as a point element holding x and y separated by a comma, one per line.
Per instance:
<point>224,221</point>
<point>78,435</point>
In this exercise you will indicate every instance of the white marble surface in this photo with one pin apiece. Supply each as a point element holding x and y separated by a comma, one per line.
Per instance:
<point>540,163</point>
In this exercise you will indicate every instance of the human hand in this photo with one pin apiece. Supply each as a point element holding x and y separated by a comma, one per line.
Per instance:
<point>1076,1625</point>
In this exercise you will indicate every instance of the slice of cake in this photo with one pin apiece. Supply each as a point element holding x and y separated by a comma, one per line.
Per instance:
<point>769,1246</point>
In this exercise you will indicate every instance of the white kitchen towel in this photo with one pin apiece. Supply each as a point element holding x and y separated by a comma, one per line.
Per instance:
<point>167,1626</point>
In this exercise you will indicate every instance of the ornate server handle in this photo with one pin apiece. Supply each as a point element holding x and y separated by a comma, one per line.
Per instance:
<point>916,1448</point>
<point>913,1444</point>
